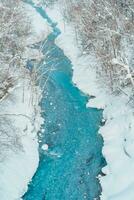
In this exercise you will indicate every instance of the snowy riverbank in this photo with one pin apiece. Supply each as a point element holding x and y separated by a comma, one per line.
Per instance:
<point>119,127</point>
<point>19,158</point>
<point>21,120</point>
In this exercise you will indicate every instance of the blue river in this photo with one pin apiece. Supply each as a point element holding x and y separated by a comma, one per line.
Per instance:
<point>69,169</point>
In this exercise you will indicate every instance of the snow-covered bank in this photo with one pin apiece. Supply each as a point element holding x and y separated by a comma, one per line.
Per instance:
<point>118,131</point>
<point>40,28</point>
<point>20,119</point>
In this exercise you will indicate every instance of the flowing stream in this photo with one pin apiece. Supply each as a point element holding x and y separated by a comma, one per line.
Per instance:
<point>68,170</point>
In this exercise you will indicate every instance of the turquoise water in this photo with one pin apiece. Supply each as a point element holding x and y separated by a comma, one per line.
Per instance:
<point>68,170</point>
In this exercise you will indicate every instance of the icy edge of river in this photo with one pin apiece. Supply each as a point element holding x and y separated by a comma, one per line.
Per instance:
<point>119,127</point>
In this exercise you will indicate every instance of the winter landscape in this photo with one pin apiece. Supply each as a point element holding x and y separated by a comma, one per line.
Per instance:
<point>66,100</point>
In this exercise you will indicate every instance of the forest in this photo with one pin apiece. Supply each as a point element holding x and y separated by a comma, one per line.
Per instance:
<point>105,28</point>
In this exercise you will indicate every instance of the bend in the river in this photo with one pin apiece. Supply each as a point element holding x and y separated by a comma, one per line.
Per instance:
<point>69,169</point>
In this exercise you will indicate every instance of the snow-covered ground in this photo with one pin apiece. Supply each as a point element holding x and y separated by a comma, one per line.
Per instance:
<point>21,117</point>
<point>118,131</point>
<point>20,121</point>
<point>40,30</point>
<point>40,27</point>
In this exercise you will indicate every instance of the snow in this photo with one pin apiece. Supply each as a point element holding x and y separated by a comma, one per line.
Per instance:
<point>118,131</point>
<point>45,147</point>
<point>40,30</point>
<point>21,117</point>
<point>20,160</point>
<point>40,27</point>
